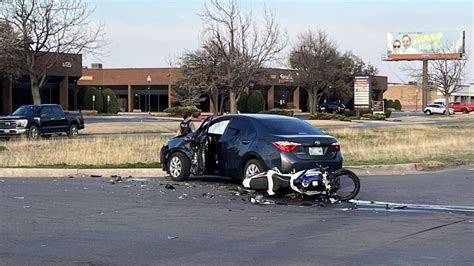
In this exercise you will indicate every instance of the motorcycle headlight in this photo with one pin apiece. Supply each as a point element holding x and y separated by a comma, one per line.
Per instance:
<point>22,123</point>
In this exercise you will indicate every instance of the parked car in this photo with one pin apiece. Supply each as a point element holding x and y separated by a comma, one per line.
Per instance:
<point>332,107</point>
<point>239,146</point>
<point>436,109</point>
<point>44,120</point>
<point>461,107</point>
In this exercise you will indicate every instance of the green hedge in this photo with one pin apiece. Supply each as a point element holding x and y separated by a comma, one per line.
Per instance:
<point>277,111</point>
<point>374,116</point>
<point>181,110</point>
<point>256,102</point>
<point>111,107</point>
<point>397,105</point>
<point>328,116</point>
<point>242,102</point>
<point>85,99</point>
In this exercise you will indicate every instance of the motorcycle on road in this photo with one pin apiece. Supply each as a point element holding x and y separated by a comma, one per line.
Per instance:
<point>342,185</point>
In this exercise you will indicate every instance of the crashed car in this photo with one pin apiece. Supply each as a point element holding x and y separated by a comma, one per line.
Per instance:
<point>240,146</point>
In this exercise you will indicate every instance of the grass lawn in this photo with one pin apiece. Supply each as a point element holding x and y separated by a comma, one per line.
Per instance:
<point>382,145</point>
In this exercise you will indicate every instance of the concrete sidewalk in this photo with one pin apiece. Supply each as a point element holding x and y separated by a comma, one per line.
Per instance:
<point>158,172</point>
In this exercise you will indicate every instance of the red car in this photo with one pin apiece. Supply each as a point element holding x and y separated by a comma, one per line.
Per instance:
<point>461,107</point>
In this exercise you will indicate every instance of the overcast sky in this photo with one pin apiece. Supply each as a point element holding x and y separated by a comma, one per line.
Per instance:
<point>148,33</point>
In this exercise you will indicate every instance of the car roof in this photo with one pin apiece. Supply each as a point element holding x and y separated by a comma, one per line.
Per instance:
<point>262,116</point>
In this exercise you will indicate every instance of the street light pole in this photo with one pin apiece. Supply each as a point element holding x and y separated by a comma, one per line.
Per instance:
<point>148,79</point>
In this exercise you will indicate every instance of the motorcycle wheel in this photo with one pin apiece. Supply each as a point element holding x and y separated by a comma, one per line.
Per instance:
<point>346,185</point>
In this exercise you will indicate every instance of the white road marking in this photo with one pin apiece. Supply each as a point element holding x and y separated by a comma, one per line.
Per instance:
<point>400,206</point>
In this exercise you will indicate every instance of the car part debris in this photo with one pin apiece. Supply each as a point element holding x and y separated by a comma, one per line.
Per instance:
<point>168,186</point>
<point>208,195</point>
<point>172,237</point>
<point>19,197</point>
<point>97,176</point>
<point>115,179</point>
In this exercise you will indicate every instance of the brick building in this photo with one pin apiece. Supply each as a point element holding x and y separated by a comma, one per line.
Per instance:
<point>135,93</point>
<point>59,87</point>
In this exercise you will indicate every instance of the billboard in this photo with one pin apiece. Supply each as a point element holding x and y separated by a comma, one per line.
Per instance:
<point>425,45</point>
<point>361,91</point>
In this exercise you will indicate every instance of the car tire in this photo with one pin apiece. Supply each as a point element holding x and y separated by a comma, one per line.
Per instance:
<point>73,131</point>
<point>33,133</point>
<point>252,167</point>
<point>465,111</point>
<point>428,112</point>
<point>179,166</point>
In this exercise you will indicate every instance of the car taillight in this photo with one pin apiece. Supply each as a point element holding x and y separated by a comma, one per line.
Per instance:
<point>286,146</point>
<point>337,146</point>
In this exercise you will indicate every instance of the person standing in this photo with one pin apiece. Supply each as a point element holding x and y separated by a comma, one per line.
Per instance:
<point>186,126</point>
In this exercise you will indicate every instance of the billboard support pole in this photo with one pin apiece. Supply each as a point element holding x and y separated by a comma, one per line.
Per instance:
<point>425,84</point>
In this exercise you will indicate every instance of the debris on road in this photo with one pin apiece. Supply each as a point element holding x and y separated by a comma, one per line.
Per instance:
<point>115,179</point>
<point>172,237</point>
<point>96,176</point>
<point>208,195</point>
<point>137,181</point>
<point>168,186</point>
<point>19,197</point>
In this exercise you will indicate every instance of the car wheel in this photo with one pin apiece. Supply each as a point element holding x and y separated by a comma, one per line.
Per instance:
<point>465,111</point>
<point>252,167</point>
<point>428,112</point>
<point>73,131</point>
<point>179,166</point>
<point>33,133</point>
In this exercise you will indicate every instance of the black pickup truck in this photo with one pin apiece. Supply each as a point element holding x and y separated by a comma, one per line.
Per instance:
<point>44,120</point>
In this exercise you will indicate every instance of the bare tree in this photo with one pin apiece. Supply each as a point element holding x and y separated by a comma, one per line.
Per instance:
<point>202,72</point>
<point>315,57</point>
<point>445,74</point>
<point>244,48</point>
<point>47,29</point>
<point>9,53</point>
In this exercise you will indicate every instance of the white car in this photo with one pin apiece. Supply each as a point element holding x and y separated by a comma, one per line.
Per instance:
<point>436,109</point>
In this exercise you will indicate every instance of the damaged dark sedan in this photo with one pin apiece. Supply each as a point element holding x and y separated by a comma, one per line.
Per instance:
<point>240,146</point>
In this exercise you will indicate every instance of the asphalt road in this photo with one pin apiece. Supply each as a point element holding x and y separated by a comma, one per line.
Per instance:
<point>85,220</point>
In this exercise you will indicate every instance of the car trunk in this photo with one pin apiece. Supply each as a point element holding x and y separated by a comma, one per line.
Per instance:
<point>312,146</point>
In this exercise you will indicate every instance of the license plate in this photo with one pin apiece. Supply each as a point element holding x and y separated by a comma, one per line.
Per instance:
<point>313,151</point>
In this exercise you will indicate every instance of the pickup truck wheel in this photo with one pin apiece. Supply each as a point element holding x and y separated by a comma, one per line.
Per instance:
<point>33,133</point>
<point>465,111</point>
<point>179,166</point>
<point>73,131</point>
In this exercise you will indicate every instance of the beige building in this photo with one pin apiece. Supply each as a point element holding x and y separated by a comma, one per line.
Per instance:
<point>409,95</point>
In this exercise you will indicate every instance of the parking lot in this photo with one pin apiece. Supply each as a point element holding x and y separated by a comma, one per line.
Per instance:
<point>88,220</point>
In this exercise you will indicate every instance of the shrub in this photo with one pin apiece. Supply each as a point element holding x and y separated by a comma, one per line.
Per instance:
<point>85,99</point>
<point>278,112</point>
<point>181,110</point>
<point>350,113</point>
<point>3,148</point>
<point>397,105</point>
<point>387,113</point>
<point>328,116</point>
<point>390,104</point>
<point>256,102</point>
<point>111,107</point>
<point>242,102</point>
<point>374,116</point>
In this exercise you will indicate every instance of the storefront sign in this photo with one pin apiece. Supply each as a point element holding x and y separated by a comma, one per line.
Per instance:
<point>361,91</point>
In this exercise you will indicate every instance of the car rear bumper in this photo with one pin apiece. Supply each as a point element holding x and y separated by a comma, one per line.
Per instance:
<point>289,163</point>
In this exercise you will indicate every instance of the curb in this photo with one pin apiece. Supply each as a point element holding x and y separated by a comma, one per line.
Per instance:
<point>401,169</point>
<point>45,172</point>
